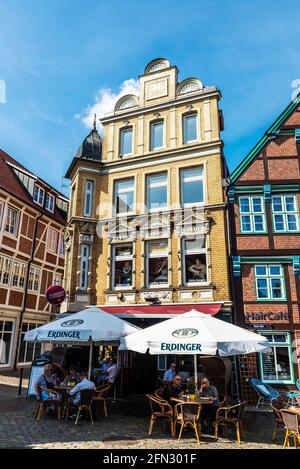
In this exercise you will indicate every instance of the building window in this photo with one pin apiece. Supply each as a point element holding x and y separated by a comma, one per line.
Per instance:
<point>52,240</point>
<point>157,263</point>
<point>157,191</point>
<point>88,198</point>
<point>285,213</point>
<point>276,366</point>
<point>192,192</point>
<point>269,282</point>
<point>5,270</point>
<point>124,196</point>
<point>28,350</point>
<point>84,266</point>
<point>126,141</point>
<point>18,274</point>
<point>1,213</point>
<point>57,279</point>
<point>194,258</point>
<point>50,202</point>
<point>252,214</point>
<point>156,135</point>
<point>11,225</point>
<point>62,246</point>
<point>122,266</point>
<point>38,195</point>
<point>34,278</point>
<point>189,124</point>
<point>6,336</point>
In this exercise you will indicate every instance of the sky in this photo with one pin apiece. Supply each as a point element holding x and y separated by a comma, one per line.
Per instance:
<point>61,58</point>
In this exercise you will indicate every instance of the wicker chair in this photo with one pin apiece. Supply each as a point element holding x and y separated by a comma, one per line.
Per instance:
<point>222,399</point>
<point>160,409</point>
<point>276,407</point>
<point>86,399</point>
<point>43,404</point>
<point>187,414</point>
<point>159,393</point>
<point>231,415</point>
<point>101,396</point>
<point>292,427</point>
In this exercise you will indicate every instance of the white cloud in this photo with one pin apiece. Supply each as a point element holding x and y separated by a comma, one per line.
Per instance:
<point>105,101</point>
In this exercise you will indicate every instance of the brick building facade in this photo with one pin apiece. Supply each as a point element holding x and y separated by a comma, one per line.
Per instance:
<point>263,200</point>
<point>32,221</point>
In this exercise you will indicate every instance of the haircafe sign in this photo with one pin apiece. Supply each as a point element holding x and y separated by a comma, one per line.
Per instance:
<point>267,316</point>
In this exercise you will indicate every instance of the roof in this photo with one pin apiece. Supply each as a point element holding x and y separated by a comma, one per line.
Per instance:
<point>264,139</point>
<point>10,183</point>
<point>89,150</point>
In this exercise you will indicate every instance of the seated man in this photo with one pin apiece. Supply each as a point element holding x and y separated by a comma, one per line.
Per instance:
<point>112,371</point>
<point>72,378</point>
<point>208,411</point>
<point>84,383</point>
<point>174,389</point>
<point>170,374</point>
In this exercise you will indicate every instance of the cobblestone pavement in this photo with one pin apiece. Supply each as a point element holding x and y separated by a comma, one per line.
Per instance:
<point>126,427</point>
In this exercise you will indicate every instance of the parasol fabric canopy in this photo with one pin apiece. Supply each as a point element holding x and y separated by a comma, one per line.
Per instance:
<point>91,324</point>
<point>194,333</point>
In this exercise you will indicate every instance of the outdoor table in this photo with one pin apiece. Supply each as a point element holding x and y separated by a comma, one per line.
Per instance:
<point>198,400</point>
<point>64,390</point>
<point>296,410</point>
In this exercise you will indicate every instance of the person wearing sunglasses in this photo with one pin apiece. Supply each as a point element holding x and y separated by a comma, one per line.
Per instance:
<point>174,389</point>
<point>169,374</point>
<point>208,411</point>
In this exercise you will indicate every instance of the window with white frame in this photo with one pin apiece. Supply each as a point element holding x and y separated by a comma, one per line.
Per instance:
<point>52,240</point>
<point>192,186</point>
<point>88,198</point>
<point>122,266</point>
<point>194,259</point>
<point>6,341</point>
<point>34,278</point>
<point>28,350</point>
<point>57,279</point>
<point>189,124</point>
<point>156,135</point>
<point>252,214</point>
<point>50,202</point>
<point>84,267</point>
<point>126,141</point>
<point>157,191</point>
<point>124,196</point>
<point>38,195</point>
<point>285,213</point>
<point>18,274</point>
<point>269,282</point>
<point>1,213</point>
<point>157,267</point>
<point>276,366</point>
<point>61,246</point>
<point>11,223</point>
<point>5,270</point>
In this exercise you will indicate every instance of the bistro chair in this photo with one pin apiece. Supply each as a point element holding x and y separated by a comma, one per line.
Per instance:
<point>159,393</point>
<point>160,409</point>
<point>276,407</point>
<point>231,415</point>
<point>43,404</point>
<point>298,400</point>
<point>265,392</point>
<point>187,414</point>
<point>85,403</point>
<point>101,396</point>
<point>222,399</point>
<point>291,395</point>
<point>292,428</point>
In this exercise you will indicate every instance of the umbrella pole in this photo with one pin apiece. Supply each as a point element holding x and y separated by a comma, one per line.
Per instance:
<point>90,358</point>
<point>195,370</point>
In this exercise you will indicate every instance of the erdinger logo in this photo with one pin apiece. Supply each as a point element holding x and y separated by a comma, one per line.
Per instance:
<point>185,333</point>
<point>72,323</point>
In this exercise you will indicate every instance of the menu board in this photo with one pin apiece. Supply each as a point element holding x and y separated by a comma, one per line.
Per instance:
<point>35,372</point>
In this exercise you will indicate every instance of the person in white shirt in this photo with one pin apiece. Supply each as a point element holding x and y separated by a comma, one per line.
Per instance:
<point>113,372</point>
<point>84,383</point>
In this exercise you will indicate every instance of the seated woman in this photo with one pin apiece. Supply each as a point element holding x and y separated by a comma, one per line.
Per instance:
<point>174,389</point>
<point>208,411</point>
<point>72,378</point>
<point>46,382</point>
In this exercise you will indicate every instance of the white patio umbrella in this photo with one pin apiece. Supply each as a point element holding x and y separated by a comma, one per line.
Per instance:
<point>88,326</point>
<point>194,333</point>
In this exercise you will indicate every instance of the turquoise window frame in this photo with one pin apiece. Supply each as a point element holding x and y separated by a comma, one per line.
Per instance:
<point>251,214</point>
<point>288,344</point>
<point>268,277</point>
<point>285,213</point>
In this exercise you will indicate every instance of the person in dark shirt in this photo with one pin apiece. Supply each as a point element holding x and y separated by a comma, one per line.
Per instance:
<point>208,411</point>
<point>174,389</point>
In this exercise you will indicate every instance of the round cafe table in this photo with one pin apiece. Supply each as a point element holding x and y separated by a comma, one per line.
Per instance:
<point>198,400</point>
<point>64,390</point>
<point>296,410</point>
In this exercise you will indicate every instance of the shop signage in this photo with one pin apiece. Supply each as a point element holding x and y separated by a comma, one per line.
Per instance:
<point>267,316</point>
<point>72,322</point>
<point>186,332</point>
<point>180,347</point>
<point>64,334</point>
<point>55,294</point>
<point>259,326</point>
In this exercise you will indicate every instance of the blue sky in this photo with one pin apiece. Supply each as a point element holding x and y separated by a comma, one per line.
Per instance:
<point>57,56</point>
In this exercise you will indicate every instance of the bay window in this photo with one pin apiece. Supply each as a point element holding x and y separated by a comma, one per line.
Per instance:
<point>192,186</point>
<point>194,259</point>
<point>157,191</point>
<point>157,263</point>
<point>276,366</point>
<point>122,266</point>
<point>124,196</point>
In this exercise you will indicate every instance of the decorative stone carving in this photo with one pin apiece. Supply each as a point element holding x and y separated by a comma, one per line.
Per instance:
<point>189,86</point>
<point>155,225</point>
<point>188,221</point>
<point>119,229</point>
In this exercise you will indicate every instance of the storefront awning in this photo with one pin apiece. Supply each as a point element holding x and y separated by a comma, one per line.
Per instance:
<point>160,311</point>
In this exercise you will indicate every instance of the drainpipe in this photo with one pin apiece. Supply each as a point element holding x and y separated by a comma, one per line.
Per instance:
<point>25,294</point>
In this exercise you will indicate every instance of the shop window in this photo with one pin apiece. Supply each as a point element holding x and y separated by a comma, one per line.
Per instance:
<point>50,202</point>
<point>88,198</point>
<point>28,350</point>
<point>84,266</point>
<point>269,282</point>
<point>6,340</point>
<point>276,366</point>
<point>34,278</point>
<point>122,266</point>
<point>156,135</point>
<point>124,196</point>
<point>194,258</point>
<point>52,240</point>
<point>157,191</point>
<point>5,270</point>
<point>126,141</point>
<point>11,224</point>
<point>285,213</point>
<point>252,214</point>
<point>18,274</point>
<point>38,195</point>
<point>192,191</point>
<point>157,263</point>
<point>189,124</point>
